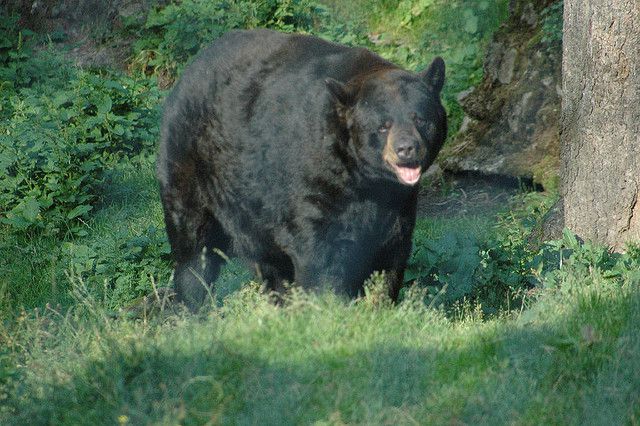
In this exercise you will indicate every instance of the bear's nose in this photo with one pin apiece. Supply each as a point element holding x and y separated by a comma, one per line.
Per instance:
<point>406,150</point>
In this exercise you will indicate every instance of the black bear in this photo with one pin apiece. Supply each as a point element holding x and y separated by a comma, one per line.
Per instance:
<point>298,155</point>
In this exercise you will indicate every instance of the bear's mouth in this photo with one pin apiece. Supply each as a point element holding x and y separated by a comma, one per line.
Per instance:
<point>408,174</point>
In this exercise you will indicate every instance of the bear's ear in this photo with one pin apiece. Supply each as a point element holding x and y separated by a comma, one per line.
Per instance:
<point>339,92</point>
<point>434,75</point>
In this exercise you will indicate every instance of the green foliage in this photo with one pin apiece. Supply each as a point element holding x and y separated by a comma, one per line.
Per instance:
<point>39,268</point>
<point>118,276</point>
<point>445,264</point>
<point>552,25</point>
<point>22,65</point>
<point>55,144</point>
<point>491,269</point>
<point>13,52</point>
<point>563,262</point>
<point>498,271</point>
<point>459,32</point>
<point>59,131</point>
<point>174,33</point>
<point>411,32</point>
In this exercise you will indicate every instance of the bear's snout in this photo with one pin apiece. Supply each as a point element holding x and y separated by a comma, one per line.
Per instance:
<point>406,150</point>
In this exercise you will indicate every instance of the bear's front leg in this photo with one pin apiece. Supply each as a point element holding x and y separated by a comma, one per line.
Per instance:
<point>393,255</point>
<point>340,266</point>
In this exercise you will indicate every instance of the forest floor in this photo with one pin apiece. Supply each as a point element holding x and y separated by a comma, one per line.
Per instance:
<point>452,195</point>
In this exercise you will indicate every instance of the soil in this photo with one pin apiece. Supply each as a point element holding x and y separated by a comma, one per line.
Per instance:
<point>468,194</point>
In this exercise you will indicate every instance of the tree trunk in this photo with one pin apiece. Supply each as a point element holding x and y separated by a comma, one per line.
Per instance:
<point>600,129</point>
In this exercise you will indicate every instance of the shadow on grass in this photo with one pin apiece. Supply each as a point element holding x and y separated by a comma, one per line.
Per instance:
<point>478,373</point>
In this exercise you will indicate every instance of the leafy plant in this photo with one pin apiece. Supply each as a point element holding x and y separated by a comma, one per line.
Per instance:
<point>59,131</point>
<point>447,263</point>
<point>55,146</point>
<point>494,270</point>
<point>561,262</point>
<point>174,33</point>
<point>121,273</point>
<point>552,24</point>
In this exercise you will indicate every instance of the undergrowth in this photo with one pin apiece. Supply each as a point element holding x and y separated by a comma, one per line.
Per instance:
<point>411,32</point>
<point>62,126</point>
<point>60,129</point>
<point>173,34</point>
<point>552,25</point>
<point>67,135</point>
<point>492,265</point>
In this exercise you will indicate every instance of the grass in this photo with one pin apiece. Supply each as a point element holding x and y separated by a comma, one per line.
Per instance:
<point>568,356</point>
<point>318,359</point>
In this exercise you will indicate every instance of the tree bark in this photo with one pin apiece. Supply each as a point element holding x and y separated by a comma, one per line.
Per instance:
<point>600,123</point>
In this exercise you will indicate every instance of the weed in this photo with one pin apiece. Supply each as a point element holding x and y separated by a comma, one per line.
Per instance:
<point>125,273</point>
<point>493,267</point>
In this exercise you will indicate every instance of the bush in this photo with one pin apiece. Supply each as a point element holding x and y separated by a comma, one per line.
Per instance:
<point>411,32</point>
<point>552,25</point>
<point>494,271</point>
<point>121,273</point>
<point>58,131</point>
<point>174,33</point>
<point>55,144</point>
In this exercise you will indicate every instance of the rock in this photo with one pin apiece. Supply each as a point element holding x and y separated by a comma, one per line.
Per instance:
<point>433,172</point>
<point>529,15</point>
<point>505,73</point>
<point>511,124</point>
<point>466,123</point>
<point>493,60</point>
<point>464,94</point>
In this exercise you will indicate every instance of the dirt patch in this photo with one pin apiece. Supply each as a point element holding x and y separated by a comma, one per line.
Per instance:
<point>85,30</point>
<point>469,194</point>
<point>86,52</point>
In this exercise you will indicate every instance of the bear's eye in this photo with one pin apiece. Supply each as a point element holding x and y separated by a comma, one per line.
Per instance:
<point>419,121</point>
<point>385,127</point>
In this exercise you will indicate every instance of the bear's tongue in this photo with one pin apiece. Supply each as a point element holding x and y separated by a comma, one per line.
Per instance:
<point>408,175</point>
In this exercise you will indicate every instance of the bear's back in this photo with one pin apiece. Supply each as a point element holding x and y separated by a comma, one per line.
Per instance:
<point>285,69</point>
<point>257,97</point>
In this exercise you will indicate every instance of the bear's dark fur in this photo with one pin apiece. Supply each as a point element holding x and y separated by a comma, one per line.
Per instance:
<point>299,156</point>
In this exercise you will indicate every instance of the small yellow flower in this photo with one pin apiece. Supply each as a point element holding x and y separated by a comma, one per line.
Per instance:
<point>123,420</point>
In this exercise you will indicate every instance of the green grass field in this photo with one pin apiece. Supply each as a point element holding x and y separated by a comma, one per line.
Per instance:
<point>491,328</point>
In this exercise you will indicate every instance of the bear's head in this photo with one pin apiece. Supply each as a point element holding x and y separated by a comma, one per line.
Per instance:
<point>394,119</point>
